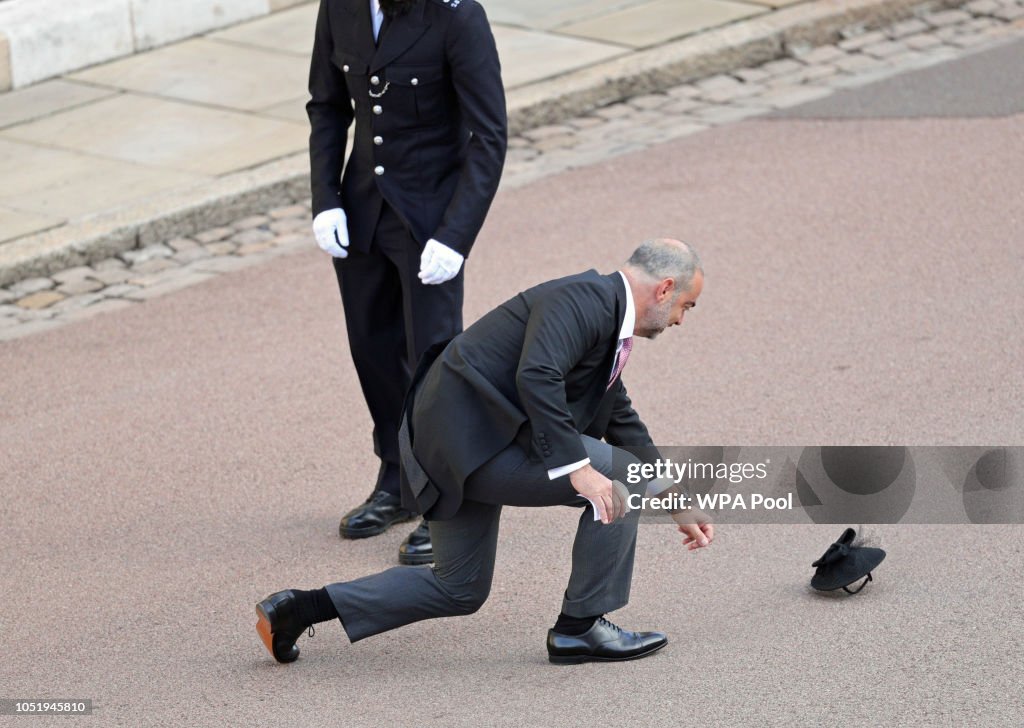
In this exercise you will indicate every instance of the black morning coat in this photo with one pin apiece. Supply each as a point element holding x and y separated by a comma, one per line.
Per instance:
<point>533,371</point>
<point>430,139</point>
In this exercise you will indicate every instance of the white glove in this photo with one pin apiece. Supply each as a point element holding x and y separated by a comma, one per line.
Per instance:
<point>331,230</point>
<point>439,263</point>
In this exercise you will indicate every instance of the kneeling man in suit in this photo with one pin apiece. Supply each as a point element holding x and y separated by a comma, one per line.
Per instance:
<point>524,408</point>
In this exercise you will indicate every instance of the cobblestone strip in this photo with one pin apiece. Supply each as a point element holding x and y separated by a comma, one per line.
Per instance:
<point>859,57</point>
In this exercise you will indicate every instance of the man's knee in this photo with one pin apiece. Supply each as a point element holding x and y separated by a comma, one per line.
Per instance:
<point>468,597</point>
<point>466,594</point>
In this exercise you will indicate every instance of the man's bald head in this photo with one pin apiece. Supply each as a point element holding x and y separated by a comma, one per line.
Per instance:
<point>666,278</point>
<point>663,258</point>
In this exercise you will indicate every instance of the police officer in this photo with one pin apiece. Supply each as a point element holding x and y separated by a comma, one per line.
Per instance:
<point>422,81</point>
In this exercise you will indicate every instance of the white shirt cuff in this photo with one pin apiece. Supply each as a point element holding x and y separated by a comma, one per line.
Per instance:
<point>566,469</point>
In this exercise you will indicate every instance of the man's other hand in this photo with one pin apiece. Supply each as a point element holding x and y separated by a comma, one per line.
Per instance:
<point>609,501</point>
<point>331,230</point>
<point>439,263</point>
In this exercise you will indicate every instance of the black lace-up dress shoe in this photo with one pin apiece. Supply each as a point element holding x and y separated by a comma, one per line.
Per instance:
<point>278,625</point>
<point>416,548</point>
<point>379,513</point>
<point>604,642</point>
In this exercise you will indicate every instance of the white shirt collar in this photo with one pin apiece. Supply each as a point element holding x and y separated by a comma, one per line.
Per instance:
<point>629,320</point>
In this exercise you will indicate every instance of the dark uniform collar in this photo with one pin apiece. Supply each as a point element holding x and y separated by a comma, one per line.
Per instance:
<point>361,31</point>
<point>403,31</point>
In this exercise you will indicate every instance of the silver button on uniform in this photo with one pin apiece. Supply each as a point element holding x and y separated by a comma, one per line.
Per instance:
<point>378,110</point>
<point>345,68</point>
<point>415,82</point>
<point>378,170</point>
<point>375,80</point>
<point>378,140</point>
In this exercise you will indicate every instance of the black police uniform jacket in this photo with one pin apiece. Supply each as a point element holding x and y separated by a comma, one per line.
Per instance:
<point>429,112</point>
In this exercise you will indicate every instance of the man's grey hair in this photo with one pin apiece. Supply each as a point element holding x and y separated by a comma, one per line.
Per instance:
<point>665,258</point>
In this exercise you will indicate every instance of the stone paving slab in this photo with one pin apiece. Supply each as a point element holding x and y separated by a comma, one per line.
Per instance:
<point>166,133</point>
<point>293,110</point>
<point>289,31</point>
<point>46,98</point>
<point>16,223</point>
<point>660,21</point>
<point>540,55</point>
<point>170,264</point>
<point>773,3</point>
<point>550,14</point>
<point>208,72</point>
<point>52,182</point>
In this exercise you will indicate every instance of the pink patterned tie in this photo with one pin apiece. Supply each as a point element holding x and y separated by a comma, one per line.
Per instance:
<point>627,346</point>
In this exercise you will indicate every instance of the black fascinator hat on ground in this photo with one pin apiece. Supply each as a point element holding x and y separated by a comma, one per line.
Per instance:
<point>846,562</point>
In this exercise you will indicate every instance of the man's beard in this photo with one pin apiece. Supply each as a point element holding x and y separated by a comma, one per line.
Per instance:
<point>396,7</point>
<point>657,321</point>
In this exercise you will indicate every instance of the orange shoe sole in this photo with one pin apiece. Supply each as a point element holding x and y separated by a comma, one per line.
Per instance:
<point>263,630</point>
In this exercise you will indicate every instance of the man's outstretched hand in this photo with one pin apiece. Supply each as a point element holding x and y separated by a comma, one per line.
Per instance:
<point>696,526</point>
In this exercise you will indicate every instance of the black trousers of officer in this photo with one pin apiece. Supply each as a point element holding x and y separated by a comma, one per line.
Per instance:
<point>392,318</point>
<point>465,547</point>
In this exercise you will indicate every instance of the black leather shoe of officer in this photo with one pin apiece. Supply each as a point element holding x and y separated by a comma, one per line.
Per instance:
<point>278,625</point>
<point>416,548</point>
<point>379,513</point>
<point>604,642</point>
